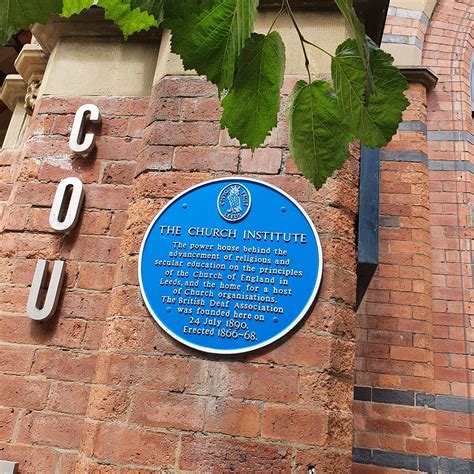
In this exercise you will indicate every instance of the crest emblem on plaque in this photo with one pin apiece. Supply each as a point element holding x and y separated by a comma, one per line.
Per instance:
<point>233,202</point>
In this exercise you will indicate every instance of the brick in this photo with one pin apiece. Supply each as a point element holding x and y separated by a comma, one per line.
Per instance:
<point>116,148</point>
<point>90,306</point>
<point>94,222</point>
<point>52,147</point>
<point>421,446</point>
<point>411,354</point>
<point>252,382</point>
<point>69,398</point>
<point>61,168</point>
<point>391,337</point>
<point>338,283</point>
<point>184,133</point>
<point>121,172</point>
<point>127,301</point>
<point>233,417</point>
<point>157,158</point>
<point>86,465</point>
<point>225,140</point>
<point>128,369</point>
<point>455,434</point>
<point>123,334</point>
<point>91,248</point>
<point>206,109</point>
<point>31,459</point>
<point>23,392</point>
<point>340,430</point>
<point>41,194</point>
<point>206,159</point>
<point>13,299</point>
<point>9,156</point>
<point>119,221</point>
<point>400,397</point>
<point>90,222</point>
<point>398,460</point>
<point>120,444</point>
<point>262,160</point>
<point>158,342</point>
<point>177,411</point>
<point>93,335</point>
<point>7,422</point>
<point>339,252</point>
<point>279,138</point>
<point>295,352</point>
<point>106,403</point>
<point>198,452</point>
<point>463,451</point>
<point>166,185</point>
<point>190,87</point>
<point>303,425</point>
<point>114,126</point>
<point>333,318</point>
<point>24,246</point>
<point>389,427</point>
<point>64,365</point>
<point>323,460</point>
<point>51,430</point>
<point>326,391</point>
<point>16,218</point>
<point>95,276</point>
<point>66,333</point>
<point>67,462</point>
<point>296,186</point>
<point>15,359</point>
<point>103,196</point>
<point>391,442</point>
<point>5,190</point>
<point>163,108</point>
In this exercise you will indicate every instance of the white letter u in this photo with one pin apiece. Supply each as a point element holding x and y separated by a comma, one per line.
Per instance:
<point>38,288</point>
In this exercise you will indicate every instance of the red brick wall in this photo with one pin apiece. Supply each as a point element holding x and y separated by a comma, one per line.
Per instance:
<point>101,385</point>
<point>47,368</point>
<point>413,364</point>
<point>448,51</point>
<point>394,335</point>
<point>159,404</point>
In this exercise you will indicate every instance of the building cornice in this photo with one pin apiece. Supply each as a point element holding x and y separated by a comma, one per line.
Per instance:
<point>13,90</point>
<point>420,74</point>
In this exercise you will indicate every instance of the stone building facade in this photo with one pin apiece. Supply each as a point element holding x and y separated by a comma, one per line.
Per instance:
<point>101,388</point>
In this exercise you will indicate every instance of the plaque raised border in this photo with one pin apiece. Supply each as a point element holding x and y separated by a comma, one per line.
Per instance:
<point>294,319</point>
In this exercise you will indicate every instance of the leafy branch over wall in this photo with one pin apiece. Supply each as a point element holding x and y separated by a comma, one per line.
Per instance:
<point>365,100</point>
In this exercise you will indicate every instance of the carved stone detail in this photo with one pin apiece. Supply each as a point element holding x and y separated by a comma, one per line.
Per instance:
<point>31,64</point>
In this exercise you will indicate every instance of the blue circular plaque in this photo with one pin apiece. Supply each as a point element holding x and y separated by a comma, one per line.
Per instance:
<point>230,265</point>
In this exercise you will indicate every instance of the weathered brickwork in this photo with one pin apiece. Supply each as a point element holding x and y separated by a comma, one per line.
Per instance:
<point>101,388</point>
<point>47,368</point>
<point>283,409</point>
<point>415,326</point>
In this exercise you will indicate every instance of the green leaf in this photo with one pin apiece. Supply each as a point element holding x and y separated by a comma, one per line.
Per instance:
<point>251,107</point>
<point>20,14</point>
<point>74,7</point>
<point>347,9</point>
<point>129,20</point>
<point>152,7</point>
<point>375,121</point>
<point>211,40</point>
<point>182,8</point>
<point>318,138</point>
